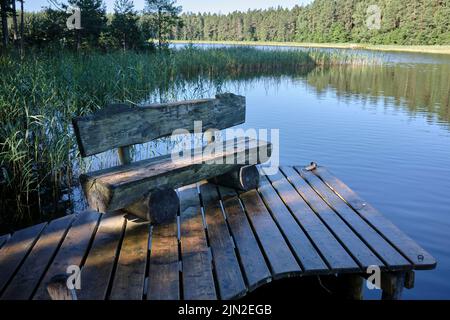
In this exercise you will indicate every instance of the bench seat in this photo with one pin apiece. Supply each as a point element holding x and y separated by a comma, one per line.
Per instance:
<point>118,187</point>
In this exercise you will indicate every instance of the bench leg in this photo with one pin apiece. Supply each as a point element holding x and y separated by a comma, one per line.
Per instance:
<point>392,284</point>
<point>244,178</point>
<point>158,207</point>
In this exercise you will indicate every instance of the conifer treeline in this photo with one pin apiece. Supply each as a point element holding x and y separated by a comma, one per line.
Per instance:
<point>408,22</point>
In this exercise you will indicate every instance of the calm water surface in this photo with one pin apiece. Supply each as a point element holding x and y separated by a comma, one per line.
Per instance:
<point>384,130</point>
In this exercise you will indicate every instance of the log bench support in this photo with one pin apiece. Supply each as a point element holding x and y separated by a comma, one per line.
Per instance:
<point>158,207</point>
<point>244,178</point>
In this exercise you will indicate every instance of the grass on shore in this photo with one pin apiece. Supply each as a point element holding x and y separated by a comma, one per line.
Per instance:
<point>436,49</point>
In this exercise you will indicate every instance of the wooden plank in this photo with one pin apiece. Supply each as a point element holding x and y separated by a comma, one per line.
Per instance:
<point>310,259</point>
<point>116,188</point>
<point>129,277</point>
<point>228,273</point>
<point>97,270</point>
<point>408,247</point>
<point>27,278</point>
<point>58,289</point>
<point>15,250</point>
<point>355,246</point>
<point>198,280</point>
<point>4,239</point>
<point>72,250</point>
<point>121,125</point>
<point>332,251</point>
<point>163,281</point>
<point>280,258</point>
<point>252,260</point>
<point>390,257</point>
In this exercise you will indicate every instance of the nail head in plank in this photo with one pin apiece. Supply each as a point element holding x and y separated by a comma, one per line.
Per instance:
<point>227,270</point>
<point>15,250</point>
<point>129,277</point>
<point>251,257</point>
<point>96,271</point>
<point>371,237</point>
<point>72,250</point>
<point>27,278</point>
<point>331,249</point>
<point>419,257</point>
<point>281,260</point>
<point>198,279</point>
<point>163,282</point>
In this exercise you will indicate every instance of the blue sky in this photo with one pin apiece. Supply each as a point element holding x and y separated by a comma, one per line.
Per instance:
<point>223,6</point>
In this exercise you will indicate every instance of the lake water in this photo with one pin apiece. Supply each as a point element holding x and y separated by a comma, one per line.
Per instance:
<point>383,130</point>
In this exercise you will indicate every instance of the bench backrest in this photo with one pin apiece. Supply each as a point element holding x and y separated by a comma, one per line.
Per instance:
<point>120,125</point>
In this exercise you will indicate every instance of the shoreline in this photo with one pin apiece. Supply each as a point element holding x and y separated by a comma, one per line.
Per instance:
<point>433,49</point>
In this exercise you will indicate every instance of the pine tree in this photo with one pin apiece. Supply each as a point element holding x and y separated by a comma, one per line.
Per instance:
<point>164,14</point>
<point>124,26</point>
<point>93,21</point>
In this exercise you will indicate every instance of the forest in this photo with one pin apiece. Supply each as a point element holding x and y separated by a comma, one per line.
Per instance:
<point>410,22</point>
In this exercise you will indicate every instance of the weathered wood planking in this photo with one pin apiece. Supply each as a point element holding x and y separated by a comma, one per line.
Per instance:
<point>306,253</point>
<point>27,278</point>
<point>252,260</point>
<point>198,279</point>
<point>280,258</point>
<point>97,269</point>
<point>281,229</point>
<point>4,239</point>
<point>163,279</point>
<point>129,277</point>
<point>417,255</point>
<point>227,270</point>
<point>335,255</point>
<point>15,250</point>
<point>355,246</point>
<point>385,251</point>
<point>118,187</point>
<point>58,290</point>
<point>121,125</point>
<point>72,251</point>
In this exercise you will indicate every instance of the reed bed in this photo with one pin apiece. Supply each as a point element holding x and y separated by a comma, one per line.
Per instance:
<point>40,94</point>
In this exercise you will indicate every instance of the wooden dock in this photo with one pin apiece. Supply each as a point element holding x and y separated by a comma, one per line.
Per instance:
<point>222,245</point>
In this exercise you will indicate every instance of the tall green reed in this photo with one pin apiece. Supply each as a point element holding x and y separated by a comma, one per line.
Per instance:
<point>40,94</point>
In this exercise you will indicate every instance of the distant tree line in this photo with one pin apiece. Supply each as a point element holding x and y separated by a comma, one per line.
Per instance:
<point>125,28</point>
<point>402,22</point>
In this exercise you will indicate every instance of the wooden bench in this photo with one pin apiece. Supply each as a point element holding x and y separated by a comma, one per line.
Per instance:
<point>146,188</point>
